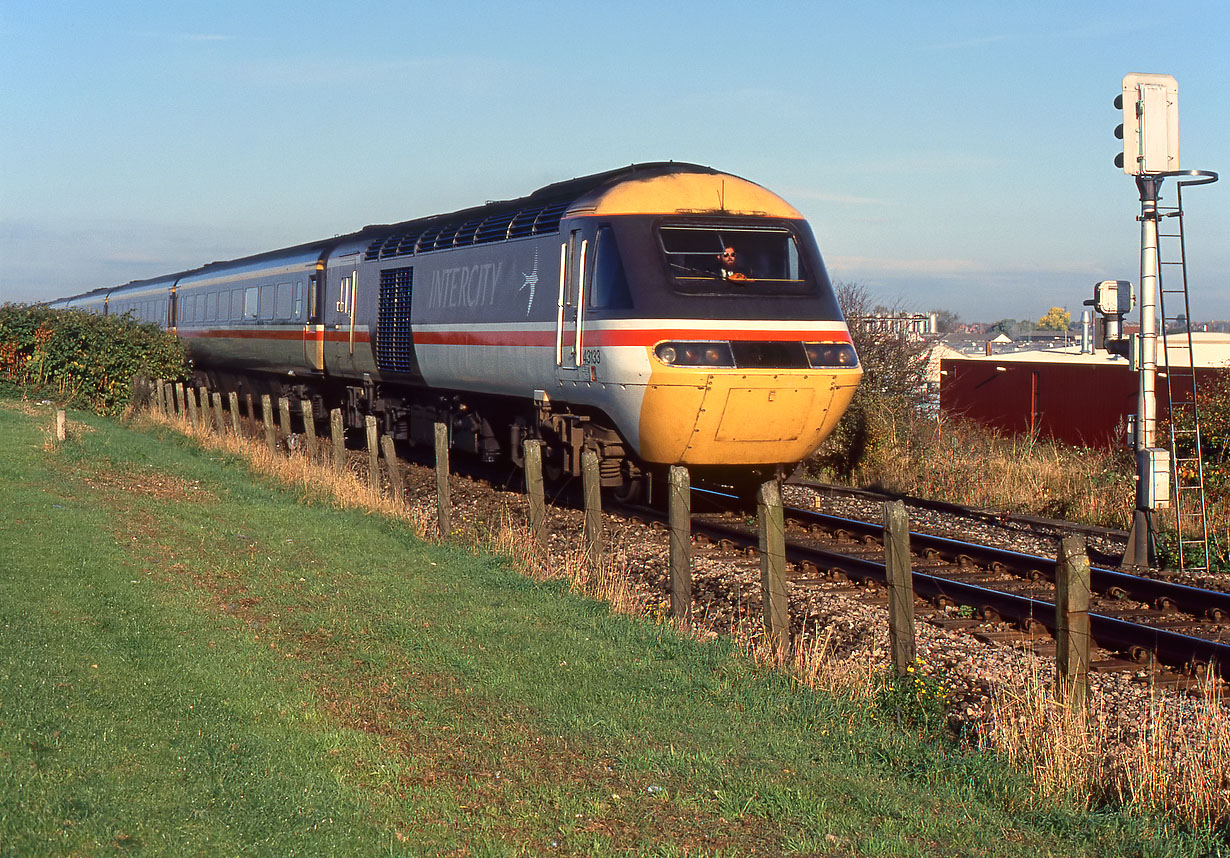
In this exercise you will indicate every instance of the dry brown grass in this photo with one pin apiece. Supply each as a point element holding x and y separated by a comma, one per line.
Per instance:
<point>966,463</point>
<point>603,581</point>
<point>1175,757</point>
<point>319,479</point>
<point>815,664</point>
<point>962,462</point>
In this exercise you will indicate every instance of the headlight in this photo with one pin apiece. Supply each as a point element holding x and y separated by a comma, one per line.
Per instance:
<point>695,354</point>
<point>831,354</point>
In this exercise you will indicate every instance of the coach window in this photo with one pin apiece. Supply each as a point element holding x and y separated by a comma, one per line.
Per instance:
<point>282,308</point>
<point>609,290</point>
<point>211,306</point>
<point>249,303</point>
<point>298,299</point>
<point>266,302</point>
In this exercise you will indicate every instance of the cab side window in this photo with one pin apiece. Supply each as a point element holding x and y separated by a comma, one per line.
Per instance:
<point>609,289</point>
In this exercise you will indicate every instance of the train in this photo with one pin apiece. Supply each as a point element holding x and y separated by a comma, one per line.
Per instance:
<point>660,314</point>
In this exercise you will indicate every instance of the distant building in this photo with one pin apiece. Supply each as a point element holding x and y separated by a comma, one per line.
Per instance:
<point>1061,393</point>
<point>912,327</point>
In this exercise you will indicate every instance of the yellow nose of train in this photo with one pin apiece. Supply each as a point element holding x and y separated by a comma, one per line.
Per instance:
<point>693,417</point>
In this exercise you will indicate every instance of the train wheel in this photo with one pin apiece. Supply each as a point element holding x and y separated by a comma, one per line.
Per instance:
<point>631,491</point>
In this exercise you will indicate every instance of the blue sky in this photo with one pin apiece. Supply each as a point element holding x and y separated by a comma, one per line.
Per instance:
<point>948,155</point>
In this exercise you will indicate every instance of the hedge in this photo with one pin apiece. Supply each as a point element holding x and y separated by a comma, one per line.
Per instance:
<point>83,360</point>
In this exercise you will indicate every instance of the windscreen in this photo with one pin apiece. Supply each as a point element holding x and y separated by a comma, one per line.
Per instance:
<point>723,259</point>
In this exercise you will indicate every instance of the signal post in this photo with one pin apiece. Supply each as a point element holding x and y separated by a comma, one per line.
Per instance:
<point>1150,134</point>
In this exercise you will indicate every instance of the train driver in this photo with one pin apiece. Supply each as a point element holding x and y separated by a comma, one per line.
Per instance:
<point>728,267</point>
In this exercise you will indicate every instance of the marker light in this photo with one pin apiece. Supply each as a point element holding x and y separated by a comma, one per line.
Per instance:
<point>831,354</point>
<point>695,354</point>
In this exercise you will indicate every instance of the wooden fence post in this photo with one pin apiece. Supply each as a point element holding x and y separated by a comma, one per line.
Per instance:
<point>219,420</point>
<point>390,460</point>
<point>901,639</point>
<point>309,428</point>
<point>233,401</point>
<point>203,409</point>
<point>251,412</point>
<point>284,418</point>
<point>534,488</point>
<point>679,511</point>
<point>338,433</point>
<point>591,484</point>
<point>373,453</point>
<point>61,425</point>
<point>443,501</point>
<point>271,438</point>
<point>181,408</point>
<point>190,397</point>
<point>162,396</point>
<point>204,415</point>
<point>771,518</point>
<point>1072,637</point>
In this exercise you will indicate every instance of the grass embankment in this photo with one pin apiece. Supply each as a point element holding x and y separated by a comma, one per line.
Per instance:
<point>196,661</point>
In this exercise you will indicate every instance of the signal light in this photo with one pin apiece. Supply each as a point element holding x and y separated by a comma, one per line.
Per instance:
<point>1150,127</point>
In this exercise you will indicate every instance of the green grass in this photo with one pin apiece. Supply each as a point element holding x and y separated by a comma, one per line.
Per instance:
<point>194,661</point>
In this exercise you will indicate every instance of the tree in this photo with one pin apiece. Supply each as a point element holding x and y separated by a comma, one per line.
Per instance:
<point>894,382</point>
<point>1056,319</point>
<point>1004,326</point>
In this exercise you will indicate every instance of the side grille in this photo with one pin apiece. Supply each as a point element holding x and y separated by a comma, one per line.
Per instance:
<point>394,339</point>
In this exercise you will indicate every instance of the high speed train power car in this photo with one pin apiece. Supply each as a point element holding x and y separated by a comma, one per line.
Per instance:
<point>659,314</point>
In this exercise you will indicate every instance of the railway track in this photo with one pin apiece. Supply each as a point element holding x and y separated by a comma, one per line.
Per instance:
<point>1000,595</point>
<point>1137,622</point>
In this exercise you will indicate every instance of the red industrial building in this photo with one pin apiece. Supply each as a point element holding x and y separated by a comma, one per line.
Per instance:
<point>1061,393</point>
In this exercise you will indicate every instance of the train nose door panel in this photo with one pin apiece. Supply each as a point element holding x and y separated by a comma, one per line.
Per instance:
<point>570,313</point>
<point>313,329</point>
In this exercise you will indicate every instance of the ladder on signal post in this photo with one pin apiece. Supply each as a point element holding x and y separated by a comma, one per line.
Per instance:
<point>1178,359</point>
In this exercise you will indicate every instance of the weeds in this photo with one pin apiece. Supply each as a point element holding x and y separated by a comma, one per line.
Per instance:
<point>916,700</point>
<point>1176,759</point>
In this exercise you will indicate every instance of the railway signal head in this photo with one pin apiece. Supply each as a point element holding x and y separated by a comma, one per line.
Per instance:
<point>1113,297</point>
<point>1150,127</point>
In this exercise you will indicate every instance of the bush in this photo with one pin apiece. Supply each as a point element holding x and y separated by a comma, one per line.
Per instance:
<point>81,359</point>
<point>894,387</point>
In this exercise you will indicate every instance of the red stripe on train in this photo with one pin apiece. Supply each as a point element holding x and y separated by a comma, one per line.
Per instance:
<point>533,339</point>
<point>296,336</point>
<point>595,338</point>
